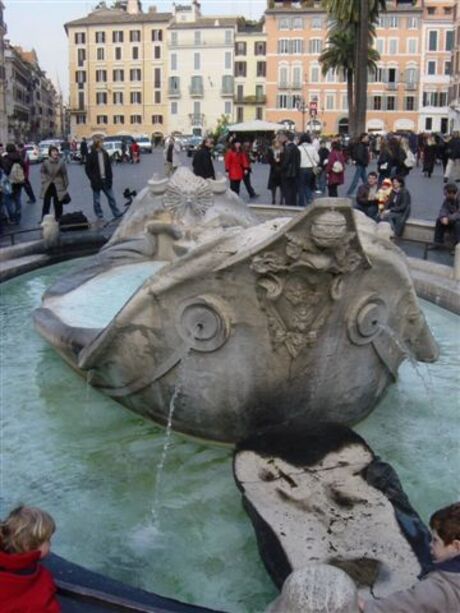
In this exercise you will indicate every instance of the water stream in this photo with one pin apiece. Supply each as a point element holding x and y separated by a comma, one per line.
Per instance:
<point>96,468</point>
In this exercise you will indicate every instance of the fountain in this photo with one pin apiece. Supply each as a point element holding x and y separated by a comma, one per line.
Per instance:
<point>246,324</point>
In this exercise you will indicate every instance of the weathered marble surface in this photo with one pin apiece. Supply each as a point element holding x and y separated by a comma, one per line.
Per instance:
<point>249,324</point>
<point>322,497</point>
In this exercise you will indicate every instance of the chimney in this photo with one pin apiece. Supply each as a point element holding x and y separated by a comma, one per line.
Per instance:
<point>134,7</point>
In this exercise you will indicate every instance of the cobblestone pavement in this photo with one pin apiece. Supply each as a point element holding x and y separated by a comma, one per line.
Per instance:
<point>426,193</point>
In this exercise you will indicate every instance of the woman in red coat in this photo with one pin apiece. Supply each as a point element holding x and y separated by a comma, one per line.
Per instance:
<point>236,165</point>
<point>335,169</point>
<point>25,585</point>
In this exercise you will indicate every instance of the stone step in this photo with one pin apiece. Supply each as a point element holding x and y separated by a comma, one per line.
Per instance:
<point>12,268</point>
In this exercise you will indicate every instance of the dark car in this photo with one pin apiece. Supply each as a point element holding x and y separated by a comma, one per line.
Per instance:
<point>193,144</point>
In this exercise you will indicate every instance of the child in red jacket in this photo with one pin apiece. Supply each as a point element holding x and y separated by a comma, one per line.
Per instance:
<point>25,585</point>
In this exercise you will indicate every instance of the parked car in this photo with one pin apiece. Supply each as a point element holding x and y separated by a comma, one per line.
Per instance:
<point>33,153</point>
<point>193,144</point>
<point>113,148</point>
<point>145,144</point>
<point>44,145</point>
<point>183,140</point>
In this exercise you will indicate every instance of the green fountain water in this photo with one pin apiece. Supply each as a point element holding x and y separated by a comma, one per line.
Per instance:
<point>93,464</point>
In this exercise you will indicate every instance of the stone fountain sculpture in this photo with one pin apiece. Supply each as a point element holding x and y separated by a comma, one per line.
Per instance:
<point>246,324</point>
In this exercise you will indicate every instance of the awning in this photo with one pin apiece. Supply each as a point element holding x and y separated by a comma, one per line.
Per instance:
<point>257,125</point>
<point>404,124</point>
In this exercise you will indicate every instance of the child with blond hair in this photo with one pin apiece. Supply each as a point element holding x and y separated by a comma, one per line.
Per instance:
<point>25,585</point>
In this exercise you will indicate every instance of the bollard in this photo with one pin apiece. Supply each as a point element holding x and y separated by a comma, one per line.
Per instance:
<point>457,263</point>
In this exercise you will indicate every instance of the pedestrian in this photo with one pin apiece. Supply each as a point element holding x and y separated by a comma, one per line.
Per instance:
<point>448,218</point>
<point>55,183</point>
<point>65,148</point>
<point>246,150</point>
<point>202,160</point>
<point>309,161</point>
<point>384,161</point>
<point>409,160</point>
<point>321,177</point>
<point>290,164</point>
<point>398,207</point>
<point>438,591</point>
<point>25,585</point>
<point>99,172</point>
<point>83,151</point>
<point>235,166</point>
<point>274,177</point>
<point>452,172</point>
<point>171,156</point>
<point>366,197</point>
<point>14,169</point>
<point>27,186</point>
<point>335,169</point>
<point>429,156</point>
<point>135,152</point>
<point>360,156</point>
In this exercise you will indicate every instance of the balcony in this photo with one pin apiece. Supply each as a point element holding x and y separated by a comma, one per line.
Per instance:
<point>392,85</point>
<point>196,92</point>
<point>174,93</point>
<point>296,85</point>
<point>258,99</point>
<point>411,86</point>
<point>283,85</point>
<point>196,119</point>
<point>227,92</point>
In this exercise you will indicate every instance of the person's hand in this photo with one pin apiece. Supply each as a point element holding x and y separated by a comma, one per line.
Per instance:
<point>445,221</point>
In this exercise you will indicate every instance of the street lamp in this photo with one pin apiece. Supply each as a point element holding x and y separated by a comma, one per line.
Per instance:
<point>302,106</point>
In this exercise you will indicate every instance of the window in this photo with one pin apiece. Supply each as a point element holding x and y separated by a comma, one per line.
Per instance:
<point>227,84</point>
<point>81,119</point>
<point>100,119</point>
<point>196,85</point>
<point>197,61</point>
<point>157,35</point>
<point>118,53</point>
<point>174,84</point>
<point>101,76</point>
<point>101,98</point>
<point>240,69</point>
<point>330,101</point>
<point>118,97</point>
<point>380,75</point>
<point>393,46</point>
<point>283,23</point>
<point>134,36</point>
<point>449,40</point>
<point>173,108</point>
<point>135,53</point>
<point>135,74</point>
<point>377,106</point>
<point>392,75</point>
<point>330,76</point>
<point>283,46</point>
<point>431,10</point>
<point>259,112</point>
<point>411,76</point>
<point>428,123</point>
<point>344,102</point>
<point>80,76</point>
<point>157,97</point>
<point>117,36</point>
<point>380,45</point>
<point>412,46</point>
<point>81,101</point>
<point>100,37</point>
<point>81,56</point>
<point>315,45</point>
<point>157,78</point>
<point>80,38</point>
<point>174,38</point>
<point>317,22</point>
<point>239,114</point>
<point>409,103</point>
<point>314,74</point>
<point>391,103</point>
<point>431,67</point>
<point>260,48</point>
<point>157,52</point>
<point>434,99</point>
<point>227,107</point>
<point>239,93</point>
<point>283,101</point>
<point>433,40</point>
<point>412,23</point>
<point>297,23</point>
<point>100,55</point>
<point>448,68</point>
<point>118,119</point>
<point>297,77</point>
<point>261,69</point>
<point>135,98</point>
<point>136,119</point>
<point>118,75</point>
<point>240,48</point>
<point>228,60</point>
<point>392,21</point>
<point>296,46</point>
<point>228,37</point>
<point>283,76</point>
<point>173,61</point>
<point>197,108</point>
<point>157,118</point>
<point>197,38</point>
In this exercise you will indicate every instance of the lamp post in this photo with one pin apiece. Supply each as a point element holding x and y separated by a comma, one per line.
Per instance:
<point>302,106</point>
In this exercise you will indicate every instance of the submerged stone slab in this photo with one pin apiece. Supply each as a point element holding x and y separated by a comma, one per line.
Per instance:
<point>246,324</point>
<point>322,497</point>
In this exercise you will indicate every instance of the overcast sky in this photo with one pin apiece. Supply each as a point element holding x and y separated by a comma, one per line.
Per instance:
<point>39,24</point>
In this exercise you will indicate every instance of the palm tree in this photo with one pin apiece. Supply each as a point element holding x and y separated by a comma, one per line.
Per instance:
<point>361,16</point>
<point>339,55</point>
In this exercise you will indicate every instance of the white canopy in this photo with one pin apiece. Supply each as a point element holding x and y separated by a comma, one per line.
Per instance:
<point>256,125</point>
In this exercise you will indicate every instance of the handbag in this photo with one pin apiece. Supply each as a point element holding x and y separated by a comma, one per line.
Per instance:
<point>384,166</point>
<point>316,169</point>
<point>337,167</point>
<point>66,199</point>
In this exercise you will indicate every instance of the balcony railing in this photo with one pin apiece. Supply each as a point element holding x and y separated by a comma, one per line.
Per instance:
<point>411,85</point>
<point>196,92</point>
<point>283,85</point>
<point>392,85</point>
<point>174,93</point>
<point>196,119</point>
<point>257,99</point>
<point>227,92</point>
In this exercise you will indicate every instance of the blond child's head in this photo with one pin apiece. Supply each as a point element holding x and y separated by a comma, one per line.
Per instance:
<point>27,529</point>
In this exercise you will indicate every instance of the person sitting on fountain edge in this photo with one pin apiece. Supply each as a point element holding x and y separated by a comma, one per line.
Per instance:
<point>366,198</point>
<point>448,218</point>
<point>25,585</point>
<point>439,588</point>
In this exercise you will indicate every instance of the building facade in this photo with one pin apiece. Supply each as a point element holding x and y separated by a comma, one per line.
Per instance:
<point>117,71</point>
<point>436,64</point>
<point>250,71</point>
<point>454,89</point>
<point>3,116</point>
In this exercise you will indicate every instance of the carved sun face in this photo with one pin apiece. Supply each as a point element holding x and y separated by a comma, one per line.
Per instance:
<point>187,194</point>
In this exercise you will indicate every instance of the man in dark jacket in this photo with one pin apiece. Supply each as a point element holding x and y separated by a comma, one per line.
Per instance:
<point>360,156</point>
<point>83,151</point>
<point>99,172</point>
<point>202,160</point>
<point>290,165</point>
<point>13,166</point>
<point>449,217</point>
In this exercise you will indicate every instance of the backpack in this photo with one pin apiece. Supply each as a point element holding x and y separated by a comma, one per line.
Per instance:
<point>410,160</point>
<point>17,173</point>
<point>76,220</point>
<point>5,184</point>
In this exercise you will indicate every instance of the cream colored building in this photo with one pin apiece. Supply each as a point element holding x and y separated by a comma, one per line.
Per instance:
<point>200,68</point>
<point>117,71</point>
<point>436,64</point>
<point>454,89</point>
<point>250,71</point>
<point>3,116</point>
